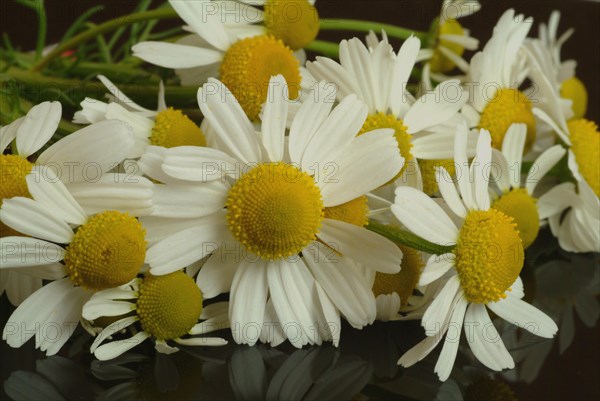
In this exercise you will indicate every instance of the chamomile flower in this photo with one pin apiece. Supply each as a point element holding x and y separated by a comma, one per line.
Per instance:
<point>166,127</point>
<point>448,42</point>
<point>244,65</point>
<point>295,22</point>
<point>495,74</point>
<point>167,307</point>
<point>94,150</point>
<point>480,272</point>
<point>276,242</point>
<point>517,198</point>
<point>579,135</point>
<point>548,46</point>
<point>101,250</point>
<point>378,76</point>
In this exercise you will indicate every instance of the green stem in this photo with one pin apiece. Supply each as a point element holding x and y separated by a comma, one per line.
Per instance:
<point>409,239</point>
<point>334,24</point>
<point>42,28</point>
<point>328,49</point>
<point>102,28</point>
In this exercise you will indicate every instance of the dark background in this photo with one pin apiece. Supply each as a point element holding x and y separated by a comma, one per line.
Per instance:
<point>570,376</point>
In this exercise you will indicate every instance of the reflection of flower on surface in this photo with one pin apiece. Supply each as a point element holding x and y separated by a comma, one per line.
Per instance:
<point>471,384</point>
<point>563,288</point>
<point>55,378</point>
<point>319,373</point>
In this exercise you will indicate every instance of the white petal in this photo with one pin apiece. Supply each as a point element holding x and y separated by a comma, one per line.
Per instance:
<point>26,251</point>
<point>462,166</point>
<point>441,307</point>
<point>437,107</point>
<point>37,128</point>
<point>202,341</point>
<point>33,218</point>
<point>361,245</point>
<point>173,55</point>
<point>201,164</point>
<point>115,348</point>
<point>542,165</point>
<point>421,215</point>
<point>97,307</point>
<point>370,161</point>
<point>235,132</point>
<point>512,148</point>
<point>216,275</point>
<point>247,301</point>
<point>523,315</point>
<point>502,171</point>
<point>484,340</point>
<point>20,286</point>
<point>404,64</point>
<point>274,118</point>
<point>94,149</point>
<point>481,170</point>
<point>445,362</point>
<point>187,201</point>
<point>449,192</point>
<point>344,121</point>
<point>45,187</point>
<point>9,132</point>
<point>203,17</point>
<point>112,329</point>
<point>437,266</point>
<point>187,246</point>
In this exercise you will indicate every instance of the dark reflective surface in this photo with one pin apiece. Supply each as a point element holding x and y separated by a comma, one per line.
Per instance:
<point>566,286</point>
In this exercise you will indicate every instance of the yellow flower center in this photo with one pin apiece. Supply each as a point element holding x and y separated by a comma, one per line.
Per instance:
<point>508,106</point>
<point>585,144</point>
<point>519,205</point>
<point>439,62</point>
<point>486,388</point>
<point>173,128</point>
<point>250,63</point>
<point>354,212</point>
<point>428,167</point>
<point>489,255</point>
<point>107,251</point>
<point>169,306</point>
<point>275,210</point>
<point>404,282</point>
<point>13,170</point>
<point>296,22</point>
<point>382,120</point>
<point>575,90</point>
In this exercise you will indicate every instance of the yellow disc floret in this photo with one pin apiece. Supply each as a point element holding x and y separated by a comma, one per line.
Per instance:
<point>169,306</point>
<point>404,282</point>
<point>13,170</point>
<point>508,106</point>
<point>354,212</point>
<point>519,205</point>
<point>296,22</point>
<point>428,167</point>
<point>382,120</point>
<point>107,251</point>
<point>585,144</point>
<point>439,62</point>
<point>250,63</point>
<point>173,128</point>
<point>489,255</point>
<point>574,89</point>
<point>275,210</point>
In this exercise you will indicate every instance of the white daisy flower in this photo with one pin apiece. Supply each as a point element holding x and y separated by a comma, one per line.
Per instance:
<point>481,269</point>
<point>168,308</point>
<point>448,42</point>
<point>517,198</point>
<point>272,241</point>
<point>378,76</point>
<point>244,65</point>
<point>547,49</point>
<point>102,250</point>
<point>495,75</point>
<point>83,154</point>
<point>579,135</point>
<point>166,127</point>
